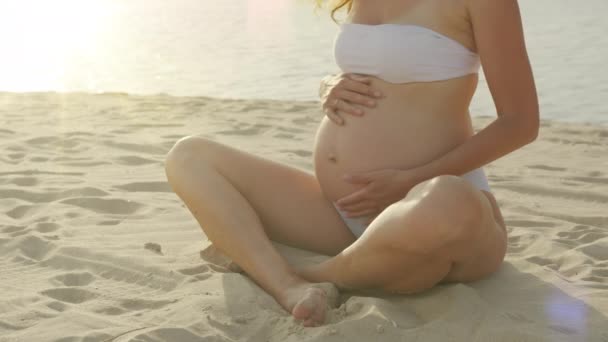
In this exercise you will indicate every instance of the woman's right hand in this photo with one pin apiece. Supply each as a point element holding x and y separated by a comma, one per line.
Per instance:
<point>346,94</point>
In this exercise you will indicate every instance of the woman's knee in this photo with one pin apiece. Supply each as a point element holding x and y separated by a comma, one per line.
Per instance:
<point>187,148</point>
<point>445,208</point>
<point>453,199</point>
<point>186,151</point>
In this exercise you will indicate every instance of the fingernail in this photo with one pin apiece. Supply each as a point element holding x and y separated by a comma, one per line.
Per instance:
<point>377,94</point>
<point>371,103</point>
<point>359,111</point>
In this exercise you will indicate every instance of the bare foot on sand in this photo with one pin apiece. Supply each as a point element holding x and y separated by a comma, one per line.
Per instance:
<point>309,302</point>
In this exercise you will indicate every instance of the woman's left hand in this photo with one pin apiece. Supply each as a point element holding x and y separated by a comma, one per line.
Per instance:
<point>380,189</point>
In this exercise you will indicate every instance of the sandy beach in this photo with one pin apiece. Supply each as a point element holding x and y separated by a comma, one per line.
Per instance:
<point>94,245</point>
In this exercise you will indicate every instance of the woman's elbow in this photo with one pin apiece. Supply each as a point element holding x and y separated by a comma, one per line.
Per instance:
<point>531,126</point>
<point>525,127</point>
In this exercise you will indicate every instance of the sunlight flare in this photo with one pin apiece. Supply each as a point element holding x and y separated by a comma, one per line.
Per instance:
<point>41,38</point>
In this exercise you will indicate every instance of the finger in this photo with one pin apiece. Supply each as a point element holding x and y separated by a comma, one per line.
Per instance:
<point>362,85</point>
<point>352,198</point>
<point>357,179</point>
<point>356,98</point>
<point>360,213</point>
<point>358,78</point>
<point>334,116</point>
<point>358,87</point>
<point>344,107</point>
<point>348,108</point>
<point>358,206</point>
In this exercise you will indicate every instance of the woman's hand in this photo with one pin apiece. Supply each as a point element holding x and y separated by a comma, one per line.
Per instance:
<point>380,189</point>
<point>341,93</point>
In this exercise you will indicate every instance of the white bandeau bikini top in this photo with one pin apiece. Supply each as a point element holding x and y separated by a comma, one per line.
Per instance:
<point>401,53</point>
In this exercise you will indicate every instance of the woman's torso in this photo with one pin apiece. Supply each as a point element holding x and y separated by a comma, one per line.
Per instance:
<point>412,125</point>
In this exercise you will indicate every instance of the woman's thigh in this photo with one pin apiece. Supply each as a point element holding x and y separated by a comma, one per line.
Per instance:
<point>288,201</point>
<point>487,252</point>
<point>451,222</point>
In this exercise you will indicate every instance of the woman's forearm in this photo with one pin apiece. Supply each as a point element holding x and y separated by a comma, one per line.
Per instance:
<point>504,135</point>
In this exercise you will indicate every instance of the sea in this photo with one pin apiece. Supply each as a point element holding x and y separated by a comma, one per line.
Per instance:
<point>263,49</point>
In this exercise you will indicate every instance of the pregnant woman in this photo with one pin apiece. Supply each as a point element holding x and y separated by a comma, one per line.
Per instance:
<point>398,198</point>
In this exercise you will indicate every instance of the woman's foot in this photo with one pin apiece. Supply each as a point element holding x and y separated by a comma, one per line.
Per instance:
<point>308,302</point>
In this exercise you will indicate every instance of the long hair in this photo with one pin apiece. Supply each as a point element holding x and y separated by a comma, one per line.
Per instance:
<point>336,5</point>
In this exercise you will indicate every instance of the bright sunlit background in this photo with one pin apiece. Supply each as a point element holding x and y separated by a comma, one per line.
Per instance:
<point>277,49</point>
<point>44,42</point>
<point>237,48</point>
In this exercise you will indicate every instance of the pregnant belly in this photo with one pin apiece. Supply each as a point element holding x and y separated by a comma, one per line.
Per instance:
<point>382,139</point>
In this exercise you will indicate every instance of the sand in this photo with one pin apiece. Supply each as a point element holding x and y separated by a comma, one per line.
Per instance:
<point>94,245</point>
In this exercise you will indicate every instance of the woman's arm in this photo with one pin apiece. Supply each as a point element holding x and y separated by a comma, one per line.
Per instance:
<point>500,44</point>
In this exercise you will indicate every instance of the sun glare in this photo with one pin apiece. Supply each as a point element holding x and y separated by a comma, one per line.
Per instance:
<point>41,37</point>
<point>268,17</point>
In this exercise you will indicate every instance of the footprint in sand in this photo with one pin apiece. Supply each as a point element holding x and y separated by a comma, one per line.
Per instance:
<point>114,276</point>
<point>105,206</point>
<point>35,248</point>
<point>154,247</point>
<point>546,168</point>
<point>110,310</point>
<point>57,306</point>
<point>24,181</point>
<point>109,223</point>
<point>146,187</point>
<point>529,224</point>
<point>74,279</point>
<point>72,295</point>
<point>46,227</point>
<point>194,270</point>
<point>133,160</point>
<point>16,156</point>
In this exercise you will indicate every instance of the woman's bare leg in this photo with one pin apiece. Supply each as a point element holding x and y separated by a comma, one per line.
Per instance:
<point>241,201</point>
<point>443,230</point>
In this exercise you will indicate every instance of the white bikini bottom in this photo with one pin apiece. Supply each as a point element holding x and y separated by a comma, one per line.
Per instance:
<point>357,225</point>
